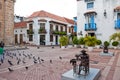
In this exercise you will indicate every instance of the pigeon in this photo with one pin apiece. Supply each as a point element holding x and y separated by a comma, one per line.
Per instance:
<point>52,47</point>
<point>50,61</point>
<point>10,69</point>
<point>10,62</point>
<point>18,61</point>
<point>35,61</point>
<point>60,57</point>
<point>42,60</point>
<point>26,68</point>
<point>38,58</point>
<point>19,54</point>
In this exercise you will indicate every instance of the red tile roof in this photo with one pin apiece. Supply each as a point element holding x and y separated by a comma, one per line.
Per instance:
<point>20,24</point>
<point>69,20</point>
<point>43,13</point>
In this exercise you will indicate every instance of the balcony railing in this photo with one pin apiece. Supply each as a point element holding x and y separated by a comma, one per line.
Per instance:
<point>58,32</point>
<point>90,27</point>
<point>30,31</point>
<point>41,30</point>
<point>117,24</point>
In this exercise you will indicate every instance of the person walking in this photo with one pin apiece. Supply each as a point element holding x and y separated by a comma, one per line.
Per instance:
<point>1,54</point>
<point>2,44</point>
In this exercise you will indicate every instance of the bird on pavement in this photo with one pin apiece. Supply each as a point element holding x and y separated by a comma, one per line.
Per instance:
<point>10,69</point>
<point>10,62</point>
<point>50,61</point>
<point>60,57</point>
<point>26,68</point>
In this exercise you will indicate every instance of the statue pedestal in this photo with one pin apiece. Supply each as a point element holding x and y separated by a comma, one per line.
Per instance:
<point>93,75</point>
<point>107,54</point>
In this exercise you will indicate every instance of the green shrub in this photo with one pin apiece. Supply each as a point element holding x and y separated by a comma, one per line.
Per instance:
<point>75,40</point>
<point>63,40</point>
<point>81,41</point>
<point>115,43</point>
<point>98,42</point>
<point>90,40</point>
<point>106,43</point>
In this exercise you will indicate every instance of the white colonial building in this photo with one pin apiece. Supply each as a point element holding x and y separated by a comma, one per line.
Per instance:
<point>43,28</point>
<point>20,32</point>
<point>99,18</point>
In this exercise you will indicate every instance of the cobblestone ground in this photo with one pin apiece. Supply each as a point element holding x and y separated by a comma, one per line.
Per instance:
<point>51,66</point>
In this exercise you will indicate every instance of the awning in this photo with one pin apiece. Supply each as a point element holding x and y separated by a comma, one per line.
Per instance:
<point>90,13</point>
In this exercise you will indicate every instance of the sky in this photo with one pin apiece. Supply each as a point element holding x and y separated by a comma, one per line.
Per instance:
<point>63,8</point>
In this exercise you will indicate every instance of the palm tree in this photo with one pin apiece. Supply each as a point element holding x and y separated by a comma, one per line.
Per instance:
<point>115,36</point>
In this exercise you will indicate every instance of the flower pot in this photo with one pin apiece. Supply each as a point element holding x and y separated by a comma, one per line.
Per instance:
<point>82,46</point>
<point>62,47</point>
<point>70,46</point>
<point>115,47</point>
<point>90,48</point>
<point>98,46</point>
<point>75,46</point>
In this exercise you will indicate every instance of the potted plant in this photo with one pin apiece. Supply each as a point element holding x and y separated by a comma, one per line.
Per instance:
<point>63,41</point>
<point>106,43</point>
<point>90,41</point>
<point>81,42</point>
<point>75,41</point>
<point>98,43</point>
<point>115,44</point>
<point>42,30</point>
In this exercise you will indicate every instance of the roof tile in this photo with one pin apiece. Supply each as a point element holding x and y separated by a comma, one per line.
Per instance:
<point>20,24</point>
<point>43,13</point>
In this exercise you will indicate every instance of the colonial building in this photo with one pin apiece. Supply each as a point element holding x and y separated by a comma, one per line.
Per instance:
<point>43,28</point>
<point>99,18</point>
<point>7,21</point>
<point>20,32</point>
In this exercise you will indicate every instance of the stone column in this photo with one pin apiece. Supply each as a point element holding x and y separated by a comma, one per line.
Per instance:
<point>9,22</point>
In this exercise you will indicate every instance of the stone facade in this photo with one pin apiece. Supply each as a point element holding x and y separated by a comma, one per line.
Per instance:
<point>7,21</point>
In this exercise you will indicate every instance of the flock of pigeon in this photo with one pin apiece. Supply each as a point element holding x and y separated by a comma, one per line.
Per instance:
<point>20,57</point>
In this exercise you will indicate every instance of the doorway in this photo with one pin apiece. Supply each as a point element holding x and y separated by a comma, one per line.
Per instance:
<point>16,39</point>
<point>21,38</point>
<point>56,40</point>
<point>42,39</point>
<point>91,34</point>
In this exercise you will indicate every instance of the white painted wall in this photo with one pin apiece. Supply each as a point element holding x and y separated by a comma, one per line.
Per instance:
<point>19,31</point>
<point>105,25</point>
<point>36,26</point>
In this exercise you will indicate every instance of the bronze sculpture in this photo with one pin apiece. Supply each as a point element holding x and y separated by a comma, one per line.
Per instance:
<point>83,65</point>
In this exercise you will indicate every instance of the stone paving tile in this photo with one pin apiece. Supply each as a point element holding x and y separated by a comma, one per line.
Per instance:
<point>54,70</point>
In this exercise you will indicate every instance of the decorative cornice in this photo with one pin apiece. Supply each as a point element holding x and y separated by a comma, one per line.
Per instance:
<point>90,12</point>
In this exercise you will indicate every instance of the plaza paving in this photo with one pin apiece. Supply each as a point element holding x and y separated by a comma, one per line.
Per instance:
<point>52,70</point>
